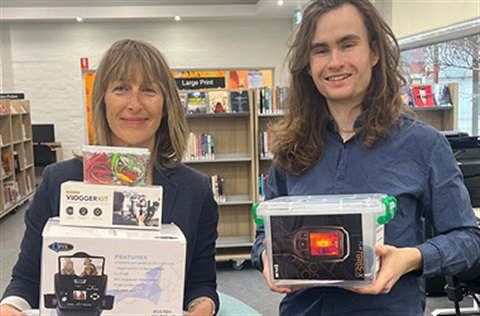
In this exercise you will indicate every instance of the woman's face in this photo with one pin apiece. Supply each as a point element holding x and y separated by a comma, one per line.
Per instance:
<point>134,110</point>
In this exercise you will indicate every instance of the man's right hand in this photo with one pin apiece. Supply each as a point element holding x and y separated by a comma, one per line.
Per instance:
<point>9,310</point>
<point>273,287</point>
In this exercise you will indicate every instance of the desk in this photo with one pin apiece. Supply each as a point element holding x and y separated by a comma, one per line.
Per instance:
<point>47,153</point>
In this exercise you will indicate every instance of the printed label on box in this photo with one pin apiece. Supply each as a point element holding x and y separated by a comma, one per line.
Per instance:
<point>84,204</point>
<point>319,247</point>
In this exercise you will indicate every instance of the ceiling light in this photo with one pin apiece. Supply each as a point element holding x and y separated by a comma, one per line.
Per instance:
<point>177,18</point>
<point>280,2</point>
<point>79,19</point>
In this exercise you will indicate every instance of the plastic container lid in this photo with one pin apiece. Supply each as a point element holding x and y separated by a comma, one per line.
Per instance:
<point>328,204</point>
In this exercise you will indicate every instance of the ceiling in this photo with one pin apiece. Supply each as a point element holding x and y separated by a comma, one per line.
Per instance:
<point>106,10</point>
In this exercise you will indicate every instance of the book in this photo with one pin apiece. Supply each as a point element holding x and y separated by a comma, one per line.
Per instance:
<point>407,96</point>
<point>183,101</point>
<point>441,95</point>
<point>7,165</point>
<point>422,96</point>
<point>218,101</point>
<point>239,101</point>
<point>196,102</point>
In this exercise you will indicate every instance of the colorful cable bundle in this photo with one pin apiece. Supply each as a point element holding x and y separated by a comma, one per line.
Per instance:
<point>114,165</point>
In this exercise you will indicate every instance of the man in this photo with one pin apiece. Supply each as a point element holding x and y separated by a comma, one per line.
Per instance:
<point>346,131</point>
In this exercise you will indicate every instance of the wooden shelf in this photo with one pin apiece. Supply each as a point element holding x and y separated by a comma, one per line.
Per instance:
<point>18,184</point>
<point>443,118</point>
<point>235,155</point>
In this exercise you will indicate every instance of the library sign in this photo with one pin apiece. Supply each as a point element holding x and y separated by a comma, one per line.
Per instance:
<point>196,80</point>
<point>223,79</point>
<point>199,83</point>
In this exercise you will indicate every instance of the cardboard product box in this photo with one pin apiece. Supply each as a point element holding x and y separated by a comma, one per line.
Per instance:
<point>325,240</point>
<point>93,271</point>
<point>85,204</point>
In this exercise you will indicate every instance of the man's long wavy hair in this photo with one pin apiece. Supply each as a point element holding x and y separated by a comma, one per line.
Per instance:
<point>300,135</point>
<point>123,60</point>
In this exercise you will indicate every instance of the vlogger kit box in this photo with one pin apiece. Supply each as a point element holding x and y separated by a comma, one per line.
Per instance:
<point>86,204</point>
<point>93,271</point>
<point>325,240</point>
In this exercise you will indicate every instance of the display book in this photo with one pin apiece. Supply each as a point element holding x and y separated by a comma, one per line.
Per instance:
<point>17,173</point>
<point>325,240</point>
<point>427,95</point>
<point>215,101</point>
<point>84,271</point>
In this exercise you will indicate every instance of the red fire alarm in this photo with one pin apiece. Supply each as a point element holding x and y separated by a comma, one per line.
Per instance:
<point>84,63</point>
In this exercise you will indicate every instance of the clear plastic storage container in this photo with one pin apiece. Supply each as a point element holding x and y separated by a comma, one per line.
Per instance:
<point>325,240</point>
<point>115,165</point>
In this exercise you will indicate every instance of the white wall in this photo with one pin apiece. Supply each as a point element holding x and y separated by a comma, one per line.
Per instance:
<point>414,17</point>
<point>42,59</point>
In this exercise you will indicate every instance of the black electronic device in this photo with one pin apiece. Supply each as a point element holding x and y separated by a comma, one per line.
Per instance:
<point>43,133</point>
<point>80,293</point>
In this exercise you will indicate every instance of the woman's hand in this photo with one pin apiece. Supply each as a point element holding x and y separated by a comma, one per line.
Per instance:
<point>204,307</point>
<point>395,262</point>
<point>9,310</point>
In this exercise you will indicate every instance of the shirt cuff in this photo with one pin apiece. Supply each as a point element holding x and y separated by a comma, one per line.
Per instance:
<point>17,302</point>
<point>431,259</point>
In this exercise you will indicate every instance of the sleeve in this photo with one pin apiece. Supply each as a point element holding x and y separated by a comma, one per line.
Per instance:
<point>276,186</point>
<point>446,203</point>
<point>25,282</point>
<point>201,275</point>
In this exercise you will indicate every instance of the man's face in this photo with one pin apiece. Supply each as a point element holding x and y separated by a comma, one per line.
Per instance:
<point>341,59</point>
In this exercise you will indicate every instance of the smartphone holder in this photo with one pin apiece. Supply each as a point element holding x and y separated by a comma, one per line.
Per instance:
<point>83,294</point>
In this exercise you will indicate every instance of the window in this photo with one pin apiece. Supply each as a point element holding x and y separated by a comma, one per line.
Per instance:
<point>449,55</point>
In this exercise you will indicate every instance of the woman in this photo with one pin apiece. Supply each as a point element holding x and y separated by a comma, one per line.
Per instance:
<point>135,104</point>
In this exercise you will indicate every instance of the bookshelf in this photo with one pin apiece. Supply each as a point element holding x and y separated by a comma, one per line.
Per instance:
<point>17,173</point>
<point>234,162</point>
<point>443,118</point>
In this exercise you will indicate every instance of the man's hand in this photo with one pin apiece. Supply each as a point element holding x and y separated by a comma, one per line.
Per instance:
<point>273,287</point>
<point>395,262</point>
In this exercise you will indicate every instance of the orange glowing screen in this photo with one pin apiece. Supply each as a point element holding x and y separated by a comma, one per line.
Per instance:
<point>325,244</point>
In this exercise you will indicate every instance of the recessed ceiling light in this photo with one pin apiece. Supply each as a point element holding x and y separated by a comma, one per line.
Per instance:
<point>79,19</point>
<point>177,18</point>
<point>280,2</point>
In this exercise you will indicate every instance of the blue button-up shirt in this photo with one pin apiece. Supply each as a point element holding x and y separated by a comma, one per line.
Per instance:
<point>416,165</point>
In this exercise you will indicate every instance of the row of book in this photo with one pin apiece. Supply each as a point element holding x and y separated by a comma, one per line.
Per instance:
<point>7,164</point>
<point>215,101</point>
<point>218,188</point>
<point>265,144</point>
<point>426,96</point>
<point>11,193</point>
<point>262,185</point>
<point>200,146</point>
<point>271,100</point>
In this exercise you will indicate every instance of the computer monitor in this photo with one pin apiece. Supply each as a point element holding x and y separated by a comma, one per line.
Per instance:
<point>43,133</point>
